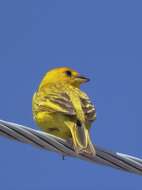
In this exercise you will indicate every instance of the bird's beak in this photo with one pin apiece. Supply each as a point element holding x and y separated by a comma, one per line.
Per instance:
<point>82,79</point>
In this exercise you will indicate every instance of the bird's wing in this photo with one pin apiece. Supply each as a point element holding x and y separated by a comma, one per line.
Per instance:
<point>63,101</point>
<point>67,103</point>
<point>53,102</point>
<point>88,107</point>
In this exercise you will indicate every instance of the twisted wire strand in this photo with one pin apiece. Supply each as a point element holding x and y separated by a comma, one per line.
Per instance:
<point>52,143</point>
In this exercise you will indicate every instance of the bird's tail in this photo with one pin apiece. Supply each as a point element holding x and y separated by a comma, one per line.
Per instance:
<point>81,139</point>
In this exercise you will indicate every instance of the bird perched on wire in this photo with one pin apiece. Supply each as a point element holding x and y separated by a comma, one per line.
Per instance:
<point>62,109</point>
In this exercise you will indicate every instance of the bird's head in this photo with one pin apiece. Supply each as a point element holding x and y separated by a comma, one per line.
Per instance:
<point>66,75</point>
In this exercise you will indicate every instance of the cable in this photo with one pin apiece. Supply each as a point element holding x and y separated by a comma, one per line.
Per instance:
<point>52,143</point>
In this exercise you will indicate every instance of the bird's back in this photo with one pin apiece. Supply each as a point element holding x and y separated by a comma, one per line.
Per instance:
<point>55,98</point>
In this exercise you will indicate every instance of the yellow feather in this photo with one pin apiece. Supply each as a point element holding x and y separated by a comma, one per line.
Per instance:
<point>62,109</point>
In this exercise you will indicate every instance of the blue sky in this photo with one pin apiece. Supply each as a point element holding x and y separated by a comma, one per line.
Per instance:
<point>101,39</point>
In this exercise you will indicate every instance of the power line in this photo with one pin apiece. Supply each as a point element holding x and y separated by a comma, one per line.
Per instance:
<point>52,143</point>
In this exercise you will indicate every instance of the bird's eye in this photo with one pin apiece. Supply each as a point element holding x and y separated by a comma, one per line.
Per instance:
<point>68,73</point>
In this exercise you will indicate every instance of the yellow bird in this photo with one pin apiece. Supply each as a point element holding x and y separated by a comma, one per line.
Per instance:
<point>62,109</point>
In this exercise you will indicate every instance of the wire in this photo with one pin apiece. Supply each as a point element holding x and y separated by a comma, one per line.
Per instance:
<point>52,143</point>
